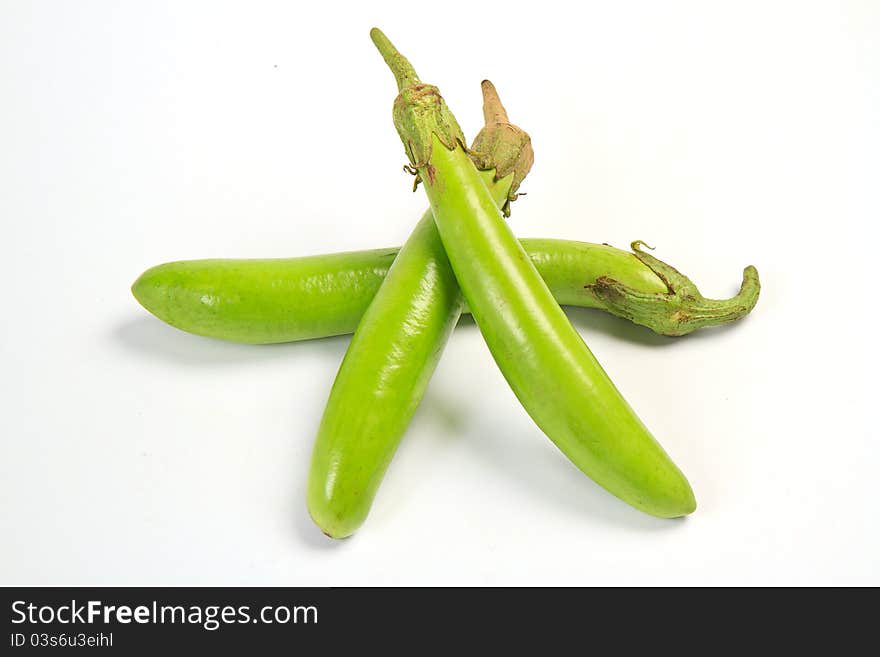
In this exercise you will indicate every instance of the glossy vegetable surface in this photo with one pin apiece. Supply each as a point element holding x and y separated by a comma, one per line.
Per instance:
<point>384,373</point>
<point>545,361</point>
<point>262,301</point>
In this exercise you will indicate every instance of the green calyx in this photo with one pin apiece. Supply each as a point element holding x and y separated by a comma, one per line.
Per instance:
<point>500,145</point>
<point>420,112</point>
<point>419,109</point>
<point>681,309</point>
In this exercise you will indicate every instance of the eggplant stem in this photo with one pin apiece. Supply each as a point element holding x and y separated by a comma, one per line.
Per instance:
<point>681,309</point>
<point>403,71</point>
<point>493,110</point>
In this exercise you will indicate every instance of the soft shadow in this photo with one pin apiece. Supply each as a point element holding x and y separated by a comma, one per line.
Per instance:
<point>442,410</point>
<point>549,475</point>
<point>594,320</point>
<point>310,535</point>
<point>713,332</point>
<point>151,338</point>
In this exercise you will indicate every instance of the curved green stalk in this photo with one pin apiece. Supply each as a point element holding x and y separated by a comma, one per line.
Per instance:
<point>550,369</point>
<point>264,301</point>
<point>681,308</point>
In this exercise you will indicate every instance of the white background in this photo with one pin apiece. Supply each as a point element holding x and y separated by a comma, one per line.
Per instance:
<point>725,134</point>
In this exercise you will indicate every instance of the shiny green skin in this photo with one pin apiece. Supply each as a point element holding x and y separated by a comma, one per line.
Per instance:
<point>382,379</point>
<point>552,372</point>
<point>265,301</point>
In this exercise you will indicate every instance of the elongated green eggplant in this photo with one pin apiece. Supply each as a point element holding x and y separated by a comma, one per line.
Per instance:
<point>546,362</point>
<point>394,352</point>
<point>262,301</point>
